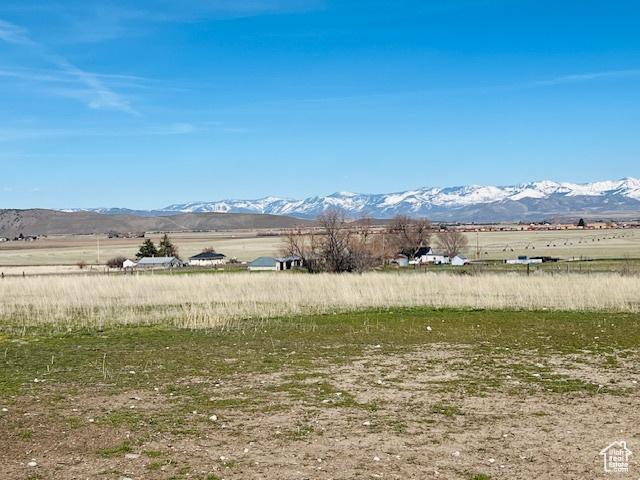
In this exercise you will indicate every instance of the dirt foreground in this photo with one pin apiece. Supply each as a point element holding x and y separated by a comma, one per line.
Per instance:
<point>390,415</point>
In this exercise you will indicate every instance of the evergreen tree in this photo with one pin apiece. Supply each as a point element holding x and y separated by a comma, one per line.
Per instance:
<point>581,223</point>
<point>147,249</point>
<point>166,248</point>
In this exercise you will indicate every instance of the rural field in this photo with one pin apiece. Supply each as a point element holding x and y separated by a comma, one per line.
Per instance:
<point>299,376</point>
<point>67,250</point>
<point>471,374</point>
<point>246,245</point>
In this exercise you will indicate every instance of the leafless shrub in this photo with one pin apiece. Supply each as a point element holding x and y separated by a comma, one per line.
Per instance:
<point>116,262</point>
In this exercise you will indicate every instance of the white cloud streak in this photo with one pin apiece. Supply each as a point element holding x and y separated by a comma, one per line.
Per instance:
<point>100,96</point>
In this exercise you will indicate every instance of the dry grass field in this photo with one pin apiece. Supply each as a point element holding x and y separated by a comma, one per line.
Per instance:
<point>246,245</point>
<point>566,244</point>
<point>97,249</point>
<point>51,303</point>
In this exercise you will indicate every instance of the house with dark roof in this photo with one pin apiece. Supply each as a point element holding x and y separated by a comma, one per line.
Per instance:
<point>427,255</point>
<point>423,251</point>
<point>208,259</point>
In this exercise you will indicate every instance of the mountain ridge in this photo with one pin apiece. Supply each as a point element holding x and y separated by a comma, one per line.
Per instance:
<point>467,203</point>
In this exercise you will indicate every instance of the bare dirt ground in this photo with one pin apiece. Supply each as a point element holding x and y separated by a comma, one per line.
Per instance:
<point>432,411</point>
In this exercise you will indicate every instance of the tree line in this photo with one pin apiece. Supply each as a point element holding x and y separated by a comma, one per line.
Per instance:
<point>343,245</point>
<point>165,248</point>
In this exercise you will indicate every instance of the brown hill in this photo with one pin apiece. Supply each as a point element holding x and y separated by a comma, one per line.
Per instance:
<point>52,222</point>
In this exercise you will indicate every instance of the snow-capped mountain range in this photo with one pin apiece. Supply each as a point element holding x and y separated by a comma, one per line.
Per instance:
<point>465,203</point>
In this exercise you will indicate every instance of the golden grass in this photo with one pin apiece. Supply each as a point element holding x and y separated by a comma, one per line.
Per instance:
<point>206,301</point>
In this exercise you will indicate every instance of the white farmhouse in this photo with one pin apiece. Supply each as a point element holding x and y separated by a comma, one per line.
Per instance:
<point>206,259</point>
<point>426,255</point>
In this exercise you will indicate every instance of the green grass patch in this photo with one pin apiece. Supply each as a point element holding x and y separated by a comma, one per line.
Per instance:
<point>116,451</point>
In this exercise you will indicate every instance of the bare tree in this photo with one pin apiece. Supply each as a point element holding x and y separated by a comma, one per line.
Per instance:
<point>302,243</point>
<point>335,242</point>
<point>337,245</point>
<point>451,242</point>
<point>406,235</point>
<point>364,246</point>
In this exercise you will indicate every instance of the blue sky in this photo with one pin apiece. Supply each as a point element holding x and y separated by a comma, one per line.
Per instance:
<point>149,103</point>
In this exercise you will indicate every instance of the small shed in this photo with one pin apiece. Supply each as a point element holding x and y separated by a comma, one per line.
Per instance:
<point>208,259</point>
<point>128,264</point>
<point>459,260</point>
<point>159,262</point>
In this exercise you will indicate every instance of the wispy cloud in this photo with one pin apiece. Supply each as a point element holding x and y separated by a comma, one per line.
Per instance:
<point>13,34</point>
<point>472,89</point>
<point>181,128</point>
<point>98,95</point>
<point>585,77</point>
<point>99,21</point>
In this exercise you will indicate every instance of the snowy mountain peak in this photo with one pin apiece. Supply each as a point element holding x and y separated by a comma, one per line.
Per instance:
<point>538,199</point>
<point>434,201</point>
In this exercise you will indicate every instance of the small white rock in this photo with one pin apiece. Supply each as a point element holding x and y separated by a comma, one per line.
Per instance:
<point>246,450</point>
<point>222,458</point>
<point>5,409</point>
<point>213,418</point>
<point>132,372</point>
<point>428,329</point>
<point>367,423</point>
<point>32,463</point>
<point>376,459</point>
<point>492,460</point>
<point>132,456</point>
<point>456,453</point>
